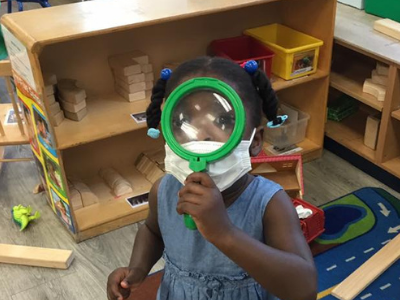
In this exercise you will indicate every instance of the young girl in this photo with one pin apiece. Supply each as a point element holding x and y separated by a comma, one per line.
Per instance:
<point>249,244</point>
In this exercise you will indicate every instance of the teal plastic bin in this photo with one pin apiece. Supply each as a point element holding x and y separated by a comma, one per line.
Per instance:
<point>384,8</point>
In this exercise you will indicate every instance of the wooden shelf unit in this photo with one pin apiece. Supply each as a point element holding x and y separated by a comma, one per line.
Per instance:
<point>354,57</point>
<point>396,114</point>
<point>84,35</point>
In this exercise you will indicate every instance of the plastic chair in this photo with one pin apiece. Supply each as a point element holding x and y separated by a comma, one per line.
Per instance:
<point>43,3</point>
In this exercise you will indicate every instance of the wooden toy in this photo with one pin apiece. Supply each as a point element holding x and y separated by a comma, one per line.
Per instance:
<point>71,91</point>
<point>388,27</point>
<point>148,76</point>
<point>151,164</point>
<point>382,69</point>
<point>71,107</point>
<point>76,116</point>
<point>132,88</point>
<point>139,57</point>
<point>130,96</point>
<point>115,181</point>
<point>147,68</point>
<point>369,271</point>
<point>51,99</point>
<point>49,90</point>
<point>377,90</point>
<point>124,65</point>
<point>54,108</point>
<point>81,195</point>
<point>371,131</point>
<point>379,79</point>
<point>135,78</point>
<point>35,256</point>
<point>58,118</point>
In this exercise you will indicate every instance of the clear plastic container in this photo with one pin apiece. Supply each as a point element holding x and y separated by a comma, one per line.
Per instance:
<point>292,132</point>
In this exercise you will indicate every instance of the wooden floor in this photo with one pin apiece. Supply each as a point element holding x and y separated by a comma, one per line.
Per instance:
<point>325,179</point>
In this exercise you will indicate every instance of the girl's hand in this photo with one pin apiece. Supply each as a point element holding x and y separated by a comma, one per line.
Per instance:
<point>122,282</point>
<point>201,199</point>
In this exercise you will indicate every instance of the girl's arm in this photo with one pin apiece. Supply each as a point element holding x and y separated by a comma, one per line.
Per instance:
<point>148,246</point>
<point>283,266</point>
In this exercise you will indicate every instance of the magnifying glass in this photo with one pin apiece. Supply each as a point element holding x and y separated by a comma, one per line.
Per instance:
<point>207,110</point>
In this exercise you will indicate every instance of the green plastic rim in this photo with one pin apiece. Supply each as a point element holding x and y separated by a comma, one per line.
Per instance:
<point>198,161</point>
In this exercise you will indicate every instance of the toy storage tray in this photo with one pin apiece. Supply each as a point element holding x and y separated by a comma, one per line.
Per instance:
<point>292,132</point>
<point>296,53</point>
<point>243,48</point>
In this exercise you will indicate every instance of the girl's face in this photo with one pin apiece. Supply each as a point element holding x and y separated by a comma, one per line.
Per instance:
<point>203,116</point>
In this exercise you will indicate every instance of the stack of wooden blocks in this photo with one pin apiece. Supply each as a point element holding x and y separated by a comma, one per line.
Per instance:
<point>151,164</point>
<point>72,98</point>
<point>56,115</point>
<point>376,85</point>
<point>133,75</point>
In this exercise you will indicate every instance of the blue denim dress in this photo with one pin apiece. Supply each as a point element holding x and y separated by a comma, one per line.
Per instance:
<point>194,268</point>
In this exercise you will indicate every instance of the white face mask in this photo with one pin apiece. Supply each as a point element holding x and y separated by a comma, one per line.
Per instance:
<point>224,172</point>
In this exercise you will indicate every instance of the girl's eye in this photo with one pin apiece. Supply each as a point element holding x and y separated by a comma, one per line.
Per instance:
<point>225,120</point>
<point>179,121</point>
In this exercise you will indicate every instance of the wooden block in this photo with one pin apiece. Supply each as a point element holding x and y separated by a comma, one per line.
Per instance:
<point>76,116</point>
<point>81,194</point>
<point>149,76</point>
<point>54,108</point>
<point>51,99</point>
<point>115,181</point>
<point>132,88</point>
<point>371,131</point>
<point>71,90</point>
<point>58,118</point>
<point>135,78</point>
<point>382,69</point>
<point>369,271</point>
<point>148,68</point>
<point>35,256</point>
<point>49,79</point>
<point>139,57</point>
<point>379,79</point>
<point>71,107</point>
<point>130,96</point>
<point>377,90</point>
<point>124,65</point>
<point>49,90</point>
<point>388,27</point>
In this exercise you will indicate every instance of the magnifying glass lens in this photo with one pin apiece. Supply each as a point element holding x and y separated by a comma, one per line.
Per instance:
<point>203,115</point>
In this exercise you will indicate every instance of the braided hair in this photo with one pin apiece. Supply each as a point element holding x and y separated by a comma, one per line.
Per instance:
<point>253,87</point>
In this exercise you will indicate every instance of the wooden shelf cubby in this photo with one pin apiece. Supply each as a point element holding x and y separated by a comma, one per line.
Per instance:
<point>354,58</point>
<point>75,41</point>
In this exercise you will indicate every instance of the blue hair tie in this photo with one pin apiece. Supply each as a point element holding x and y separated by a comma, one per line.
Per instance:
<point>280,119</point>
<point>165,74</point>
<point>251,66</point>
<point>153,133</point>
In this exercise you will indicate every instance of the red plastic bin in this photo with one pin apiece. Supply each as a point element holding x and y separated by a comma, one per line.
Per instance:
<point>314,225</point>
<point>243,48</point>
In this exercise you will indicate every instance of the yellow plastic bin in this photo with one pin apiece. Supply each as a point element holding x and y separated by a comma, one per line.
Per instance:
<point>296,54</point>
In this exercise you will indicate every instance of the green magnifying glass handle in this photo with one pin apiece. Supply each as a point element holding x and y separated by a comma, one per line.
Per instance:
<point>189,222</point>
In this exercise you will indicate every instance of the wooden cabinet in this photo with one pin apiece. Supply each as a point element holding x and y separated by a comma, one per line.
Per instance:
<point>75,41</point>
<point>357,50</point>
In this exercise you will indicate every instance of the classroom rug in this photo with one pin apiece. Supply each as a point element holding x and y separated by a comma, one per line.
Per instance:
<point>356,227</point>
